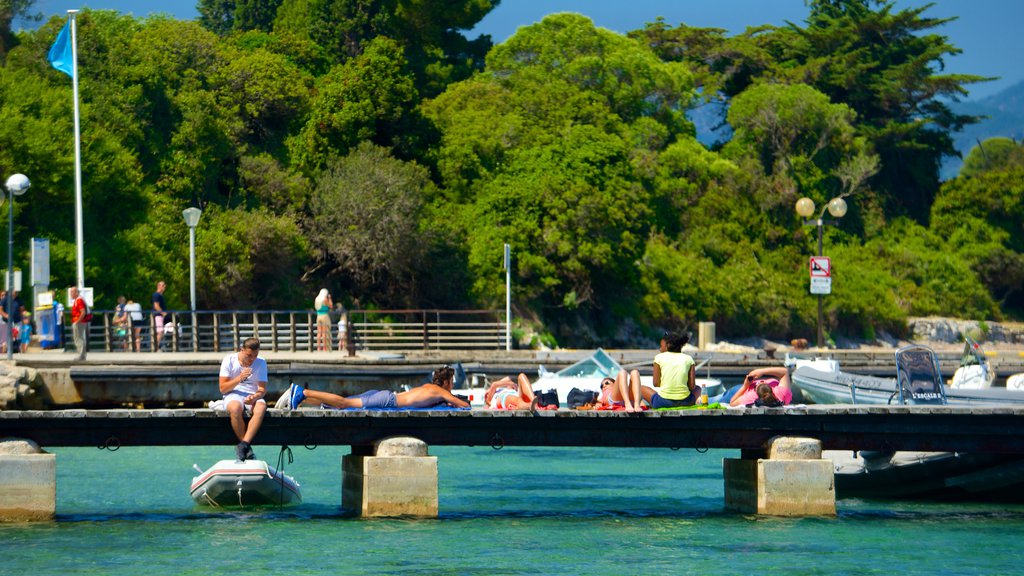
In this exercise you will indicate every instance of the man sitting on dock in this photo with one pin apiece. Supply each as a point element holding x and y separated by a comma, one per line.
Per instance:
<point>243,382</point>
<point>436,393</point>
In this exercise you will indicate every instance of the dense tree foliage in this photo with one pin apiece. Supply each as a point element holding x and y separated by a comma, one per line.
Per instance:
<point>372,147</point>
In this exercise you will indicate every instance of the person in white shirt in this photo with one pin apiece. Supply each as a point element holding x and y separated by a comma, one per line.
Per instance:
<point>134,310</point>
<point>243,382</point>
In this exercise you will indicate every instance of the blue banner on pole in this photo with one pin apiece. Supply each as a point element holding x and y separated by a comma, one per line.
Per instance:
<point>61,56</point>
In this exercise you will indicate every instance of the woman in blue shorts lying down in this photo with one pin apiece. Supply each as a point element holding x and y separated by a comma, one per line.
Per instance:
<point>436,393</point>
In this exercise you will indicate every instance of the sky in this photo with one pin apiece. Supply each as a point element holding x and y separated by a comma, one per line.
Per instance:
<point>986,30</point>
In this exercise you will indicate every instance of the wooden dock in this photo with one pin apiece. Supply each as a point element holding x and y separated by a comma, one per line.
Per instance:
<point>940,428</point>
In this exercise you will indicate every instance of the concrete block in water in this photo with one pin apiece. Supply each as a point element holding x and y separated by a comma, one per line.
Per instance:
<point>28,487</point>
<point>787,485</point>
<point>401,480</point>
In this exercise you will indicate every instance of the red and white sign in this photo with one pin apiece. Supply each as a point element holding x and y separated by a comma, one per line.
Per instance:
<point>821,267</point>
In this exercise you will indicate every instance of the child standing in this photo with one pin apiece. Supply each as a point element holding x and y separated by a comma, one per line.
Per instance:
<point>25,334</point>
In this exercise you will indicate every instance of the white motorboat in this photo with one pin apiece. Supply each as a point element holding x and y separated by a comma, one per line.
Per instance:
<point>822,382</point>
<point>906,474</point>
<point>248,483</point>
<point>974,372</point>
<point>585,375</point>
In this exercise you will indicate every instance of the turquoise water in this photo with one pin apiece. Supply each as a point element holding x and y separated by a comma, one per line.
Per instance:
<point>513,511</point>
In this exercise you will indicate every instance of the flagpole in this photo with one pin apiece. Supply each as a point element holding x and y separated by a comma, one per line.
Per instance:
<point>80,252</point>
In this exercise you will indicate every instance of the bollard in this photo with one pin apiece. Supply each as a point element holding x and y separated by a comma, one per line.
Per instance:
<point>705,335</point>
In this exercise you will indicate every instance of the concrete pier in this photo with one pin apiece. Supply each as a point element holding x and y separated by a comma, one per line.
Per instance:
<point>28,482</point>
<point>398,478</point>
<point>792,481</point>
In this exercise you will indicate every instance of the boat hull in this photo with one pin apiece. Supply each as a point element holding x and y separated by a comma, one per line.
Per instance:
<point>249,483</point>
<point>820,387</point>
<point>928,475</point>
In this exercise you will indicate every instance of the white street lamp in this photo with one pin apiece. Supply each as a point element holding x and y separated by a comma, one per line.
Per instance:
<point>16,186</point>
<point>191,216</point>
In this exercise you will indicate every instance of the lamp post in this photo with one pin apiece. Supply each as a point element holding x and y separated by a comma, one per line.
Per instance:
<point>191,216</point>
<point>805,208</point>
<point>508,297</point>
<point>16,186</point>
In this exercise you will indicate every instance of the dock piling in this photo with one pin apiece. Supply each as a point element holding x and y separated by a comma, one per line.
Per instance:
<point>28,482</point>
<point>792,481</point>
<point>395,477</point>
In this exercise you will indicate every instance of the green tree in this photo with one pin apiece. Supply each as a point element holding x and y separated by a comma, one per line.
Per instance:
<point>884,64</point>
<point>217,16</point>
<point>225,16</point>
<point>799,144</point>
<point>9,10</point>
<point>369,98</point>
<point>551,148</point>
<point>429,32</point>
<point>983,219</point>
<point>364,225</point>
<point>255,14</point>
<point>992,154</point>
<point>270,94</point>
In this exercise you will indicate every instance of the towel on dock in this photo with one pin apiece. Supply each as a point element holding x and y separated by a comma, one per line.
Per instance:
<point>396,409</point>
<point>713,406</point>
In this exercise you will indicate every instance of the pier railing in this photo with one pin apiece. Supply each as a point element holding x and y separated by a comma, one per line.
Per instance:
<point>296,330</point>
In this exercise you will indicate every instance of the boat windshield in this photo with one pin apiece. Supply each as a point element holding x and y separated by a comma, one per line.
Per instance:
<point>600,364</point>
<point>973,354</point>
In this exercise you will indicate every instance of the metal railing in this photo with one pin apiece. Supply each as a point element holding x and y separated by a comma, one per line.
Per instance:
<point>296,330</point>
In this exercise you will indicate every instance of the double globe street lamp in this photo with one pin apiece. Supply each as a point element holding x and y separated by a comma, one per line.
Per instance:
<point>805,208</point>
<point>16,186</point>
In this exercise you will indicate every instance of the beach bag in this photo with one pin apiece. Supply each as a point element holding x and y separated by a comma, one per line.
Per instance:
<point>549,398</point>
<point>577,397</point>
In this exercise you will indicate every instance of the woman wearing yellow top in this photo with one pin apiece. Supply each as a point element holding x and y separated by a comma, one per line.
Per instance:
<point>674,376</point>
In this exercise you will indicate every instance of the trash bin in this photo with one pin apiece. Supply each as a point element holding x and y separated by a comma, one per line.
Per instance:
<point>46,324</point>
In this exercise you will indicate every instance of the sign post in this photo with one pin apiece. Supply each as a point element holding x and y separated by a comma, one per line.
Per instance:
<point>821,284</point>
<point>821,275</point>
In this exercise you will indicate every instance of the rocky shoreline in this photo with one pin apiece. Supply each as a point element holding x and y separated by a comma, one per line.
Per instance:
<point>935,332</point>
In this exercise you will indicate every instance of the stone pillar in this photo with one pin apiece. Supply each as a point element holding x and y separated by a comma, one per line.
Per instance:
<point>792,481</point>
<point>28,482</point>
<point>705,335</point>
<point>395,478</point>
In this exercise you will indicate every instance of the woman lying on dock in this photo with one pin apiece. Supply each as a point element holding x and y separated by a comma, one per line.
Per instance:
<point>769,386</point>
<point>505,394</point>
<point>614,393</point>
<point>436,393</point>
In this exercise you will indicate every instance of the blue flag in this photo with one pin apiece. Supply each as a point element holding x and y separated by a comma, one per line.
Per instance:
<point>60,56</point>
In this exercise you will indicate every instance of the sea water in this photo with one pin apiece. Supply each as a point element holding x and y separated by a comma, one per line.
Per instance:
<point>510,511</point>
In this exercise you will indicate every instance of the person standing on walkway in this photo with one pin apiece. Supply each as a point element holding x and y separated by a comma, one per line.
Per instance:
<point>342,327</point>
<point>323,305</point>
<point>243,382</point>
<point>80,318</point>
<point>159,312</point>
<point>5,323</point>
<point>134,311</point>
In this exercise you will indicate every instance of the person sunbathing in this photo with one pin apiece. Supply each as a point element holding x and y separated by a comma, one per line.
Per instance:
<point>766,397</point>
<point>506,394</point>
<point>436,393</point>
<point>776,379</point>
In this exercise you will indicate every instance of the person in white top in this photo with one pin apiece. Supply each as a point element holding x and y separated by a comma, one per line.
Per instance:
<point>243,382</point>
